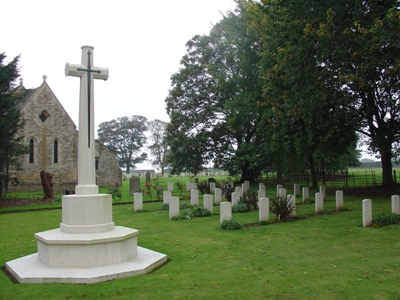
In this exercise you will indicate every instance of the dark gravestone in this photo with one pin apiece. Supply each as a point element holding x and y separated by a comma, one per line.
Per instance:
<point>147,176</point>
<point>134,184</point>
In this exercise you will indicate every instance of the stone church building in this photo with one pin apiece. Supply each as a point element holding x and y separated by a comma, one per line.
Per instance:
<point>52,139</point>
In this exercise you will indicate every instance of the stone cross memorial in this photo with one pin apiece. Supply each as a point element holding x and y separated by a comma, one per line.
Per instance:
<point>88,247</point>
<point>86,150</point>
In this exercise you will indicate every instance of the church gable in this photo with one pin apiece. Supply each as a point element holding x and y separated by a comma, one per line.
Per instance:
<point>52,138</point>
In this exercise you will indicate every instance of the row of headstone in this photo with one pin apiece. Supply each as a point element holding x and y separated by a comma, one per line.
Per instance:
<point>367,209</point>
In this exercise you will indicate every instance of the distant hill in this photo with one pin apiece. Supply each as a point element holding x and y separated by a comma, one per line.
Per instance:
<point>367,160</point>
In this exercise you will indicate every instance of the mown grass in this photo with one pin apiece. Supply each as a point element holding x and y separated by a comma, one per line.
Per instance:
<point>330,256</point>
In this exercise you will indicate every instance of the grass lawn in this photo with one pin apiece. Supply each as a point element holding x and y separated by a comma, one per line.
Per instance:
<point>329,256</point>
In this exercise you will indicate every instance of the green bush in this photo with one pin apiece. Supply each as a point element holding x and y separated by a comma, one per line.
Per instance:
<point>240,207</point>
<point>204,187</point>
<point>384,219</point>
<point>197,211</point>
<point>165,206</point>
<point>231,225</point>
<point>283,208</point>
<point>250,198</point>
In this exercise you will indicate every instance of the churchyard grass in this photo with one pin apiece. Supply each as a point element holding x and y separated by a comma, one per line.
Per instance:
<point>330,256</point>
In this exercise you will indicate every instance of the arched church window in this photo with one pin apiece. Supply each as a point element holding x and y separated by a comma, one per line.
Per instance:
<point>96,164</point>
<point>44,115</point>
<point>55,152</point>
<point>31,150</point>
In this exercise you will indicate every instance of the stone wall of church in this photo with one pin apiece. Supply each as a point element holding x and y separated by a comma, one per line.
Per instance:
<point>108,172</point>
<point>46,121</point>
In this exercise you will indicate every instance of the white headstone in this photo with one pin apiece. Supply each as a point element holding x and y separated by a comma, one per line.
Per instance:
<point>306,193</point>
<point>239,190</point>
<point>339,199</point>
<point>322,190</point>
<point>296,189</point>
<point>225,211</point>
<point>278,187</point>
<point>173,207</point>
<point>261,194</point>
<point>188,186</point>
<point>194,197</point>
<point>292,200</point>
<point>395,204</point>
<point>319,202</point>
<point>137,201</point>
<point>282,193</point>
<point>235,198</point>
<point>166,196</point>
<point>263,209</point>
<point>208,202</point>
<point>261,186</point>
<point>170,186</point>
<point>212,187</point>
<point>218,195</point>
<point>367,212</point>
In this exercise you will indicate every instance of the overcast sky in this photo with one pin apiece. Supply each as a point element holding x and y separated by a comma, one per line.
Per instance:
<point>140,42</point>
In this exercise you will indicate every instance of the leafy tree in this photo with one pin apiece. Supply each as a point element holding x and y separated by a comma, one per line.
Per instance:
<point>159,146</point>
<point>126,136</point>
<point>213,101</point>
<point>11,148</point>
<point>310,111</point>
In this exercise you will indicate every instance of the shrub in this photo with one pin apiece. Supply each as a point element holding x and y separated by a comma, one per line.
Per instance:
<point>384,219</point>
<point>231,225</point>
<point>183,205</point>
<point>250,199</point>
<point>240,207</point>
<point>115,192</point>
<point>165,206</point>
<point>283,208</point>
<point>197,211</point>
<point>227,189</point>
<point>179,185</point>
<point>204,187</point>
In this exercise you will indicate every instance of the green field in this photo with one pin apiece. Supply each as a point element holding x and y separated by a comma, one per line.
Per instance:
<point>329,256</point>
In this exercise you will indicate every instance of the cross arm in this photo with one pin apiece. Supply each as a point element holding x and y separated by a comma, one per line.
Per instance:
<point>72,70</point>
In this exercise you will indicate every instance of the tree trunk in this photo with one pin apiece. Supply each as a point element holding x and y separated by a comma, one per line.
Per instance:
<point>387,176</point>
<point>314,182</point>
<point>247,174</point>
<point>47,184</point>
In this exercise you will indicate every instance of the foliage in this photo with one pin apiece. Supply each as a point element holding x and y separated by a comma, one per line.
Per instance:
<point>329,70</point>
<point>159,147</point>
<point>250,199</point>
<point>126,136</point>
<point>11,147</point>
<point>283,208</point>
<point>227,190</point>
<point>386,219</point>
<point>231,225</point>
<point>197,211</point>
<point>204,187</point>
<point>150,187</point>
<point>180,186</point>
<point>213,101</point>
<point>240,207</point>
<point>115,192</point>
<point>165,206</point>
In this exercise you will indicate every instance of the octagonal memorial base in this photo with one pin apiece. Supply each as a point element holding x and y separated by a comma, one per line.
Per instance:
<point>29,269</point>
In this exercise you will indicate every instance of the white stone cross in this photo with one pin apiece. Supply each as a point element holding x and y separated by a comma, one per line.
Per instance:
<point>86,146</point>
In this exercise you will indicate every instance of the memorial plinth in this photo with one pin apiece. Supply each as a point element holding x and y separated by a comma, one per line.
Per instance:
<point>88,247</point>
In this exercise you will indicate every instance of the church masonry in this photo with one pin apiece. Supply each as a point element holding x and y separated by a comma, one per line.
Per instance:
<point>52,138</point>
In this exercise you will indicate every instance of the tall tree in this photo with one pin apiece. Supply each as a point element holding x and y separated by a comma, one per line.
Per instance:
<point>11,122</point>
<point>126,136</point>
<point>159,145</point>
<point>213,101</point>
<point>359,46</point>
